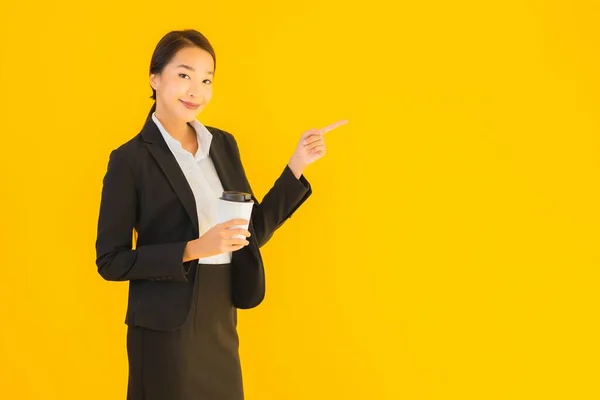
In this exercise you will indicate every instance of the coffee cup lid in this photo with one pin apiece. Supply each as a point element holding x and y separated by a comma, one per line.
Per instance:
<point>240,197</point>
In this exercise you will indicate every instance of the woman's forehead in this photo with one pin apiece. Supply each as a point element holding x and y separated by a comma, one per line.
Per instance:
<point>193,59</point>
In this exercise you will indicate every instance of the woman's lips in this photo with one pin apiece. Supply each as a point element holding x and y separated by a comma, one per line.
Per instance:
<point>191,106</point>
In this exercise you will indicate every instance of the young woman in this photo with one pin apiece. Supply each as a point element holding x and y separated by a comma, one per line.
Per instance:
<point>187,273</point>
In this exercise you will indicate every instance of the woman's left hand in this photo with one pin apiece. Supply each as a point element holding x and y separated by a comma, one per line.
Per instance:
<point>310,148</point>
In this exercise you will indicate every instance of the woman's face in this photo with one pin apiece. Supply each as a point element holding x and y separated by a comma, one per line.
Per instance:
<point>187,78</point>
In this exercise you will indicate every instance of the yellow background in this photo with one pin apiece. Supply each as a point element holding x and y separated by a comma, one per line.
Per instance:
<point>450,248</point>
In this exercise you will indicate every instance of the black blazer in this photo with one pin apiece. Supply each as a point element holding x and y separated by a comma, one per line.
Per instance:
<point>144,189</point>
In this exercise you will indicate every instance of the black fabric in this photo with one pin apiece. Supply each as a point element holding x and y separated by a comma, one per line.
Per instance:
<point>199,361</point>
<point>144,188</point>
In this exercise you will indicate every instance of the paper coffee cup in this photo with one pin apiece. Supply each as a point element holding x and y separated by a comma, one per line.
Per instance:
<point>233,205</point>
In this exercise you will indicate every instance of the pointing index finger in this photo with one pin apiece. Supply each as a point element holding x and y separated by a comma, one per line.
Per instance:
<point>333,126</point>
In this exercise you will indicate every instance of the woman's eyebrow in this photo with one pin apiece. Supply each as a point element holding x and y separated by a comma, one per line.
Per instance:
<point>192,69</point>
<point>186,67</point>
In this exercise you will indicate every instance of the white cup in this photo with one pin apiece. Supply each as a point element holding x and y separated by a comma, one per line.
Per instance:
<point>234,205</point>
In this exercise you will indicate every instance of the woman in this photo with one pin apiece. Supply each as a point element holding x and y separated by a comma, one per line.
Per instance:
<point>187,273</point>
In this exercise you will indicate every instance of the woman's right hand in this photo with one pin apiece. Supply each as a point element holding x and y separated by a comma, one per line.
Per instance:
<point>218,239</point>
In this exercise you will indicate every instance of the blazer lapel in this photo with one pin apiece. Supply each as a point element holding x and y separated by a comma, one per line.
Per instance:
<point>222,165</point>
<point>167,162</point>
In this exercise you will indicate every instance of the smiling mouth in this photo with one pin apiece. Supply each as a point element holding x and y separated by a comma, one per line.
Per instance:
<point>191,106</point>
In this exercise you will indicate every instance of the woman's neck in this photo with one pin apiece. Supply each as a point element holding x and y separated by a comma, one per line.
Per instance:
<point>179,130</point>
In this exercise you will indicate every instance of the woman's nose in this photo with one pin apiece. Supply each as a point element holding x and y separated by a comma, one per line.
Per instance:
<point>197,95</point>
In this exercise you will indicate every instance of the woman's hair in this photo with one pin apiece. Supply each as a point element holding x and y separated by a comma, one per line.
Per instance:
<point>170,44</point>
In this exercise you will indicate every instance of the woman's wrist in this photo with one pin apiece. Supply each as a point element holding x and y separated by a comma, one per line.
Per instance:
<point>191,251</point>
<point>297,167</point>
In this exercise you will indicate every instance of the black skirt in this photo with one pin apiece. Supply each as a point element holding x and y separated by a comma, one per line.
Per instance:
<point>199,361</point>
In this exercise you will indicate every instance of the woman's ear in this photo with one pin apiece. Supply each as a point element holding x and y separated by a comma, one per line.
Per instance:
<point>154,80</point>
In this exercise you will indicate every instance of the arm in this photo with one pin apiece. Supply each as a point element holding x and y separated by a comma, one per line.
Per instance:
<point>282,200</point>
<point>115,258</point>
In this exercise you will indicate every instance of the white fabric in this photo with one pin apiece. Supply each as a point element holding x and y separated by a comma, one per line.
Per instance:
<point>202,177</point>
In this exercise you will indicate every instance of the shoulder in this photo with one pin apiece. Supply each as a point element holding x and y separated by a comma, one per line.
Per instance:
<point>130,147</point>
<point>129,155</point>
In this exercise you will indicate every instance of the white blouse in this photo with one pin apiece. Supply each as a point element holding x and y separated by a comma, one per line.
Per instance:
<point>202,177</point>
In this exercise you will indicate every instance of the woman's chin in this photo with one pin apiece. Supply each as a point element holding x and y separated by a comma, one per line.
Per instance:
<point>187,114</point>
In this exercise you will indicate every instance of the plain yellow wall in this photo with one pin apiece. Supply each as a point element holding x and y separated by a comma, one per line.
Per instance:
<point>450,248</point>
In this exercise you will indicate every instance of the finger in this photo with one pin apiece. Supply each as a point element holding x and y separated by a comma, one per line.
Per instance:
<point>236,231</point>
<point>313,139</point>
<point>319,150</point>
<point>236,242</point>
<point>333,126</point>
<point>314,145</point>
<point>235,221</point>
<point>234,247</point>
<point>309,133</point>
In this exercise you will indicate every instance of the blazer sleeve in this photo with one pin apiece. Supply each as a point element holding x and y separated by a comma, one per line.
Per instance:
<point>115,258</point>
<point>281,201</point>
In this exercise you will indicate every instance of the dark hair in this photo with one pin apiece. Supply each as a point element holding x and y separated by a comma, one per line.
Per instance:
<point>170,44</point>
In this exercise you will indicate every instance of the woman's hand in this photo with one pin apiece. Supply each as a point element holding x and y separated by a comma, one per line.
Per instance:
<point>310,148</point>
<point>218,239</point>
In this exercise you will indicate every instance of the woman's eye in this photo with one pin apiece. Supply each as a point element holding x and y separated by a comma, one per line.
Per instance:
<point>182,75</point>
<point>207,81</point>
